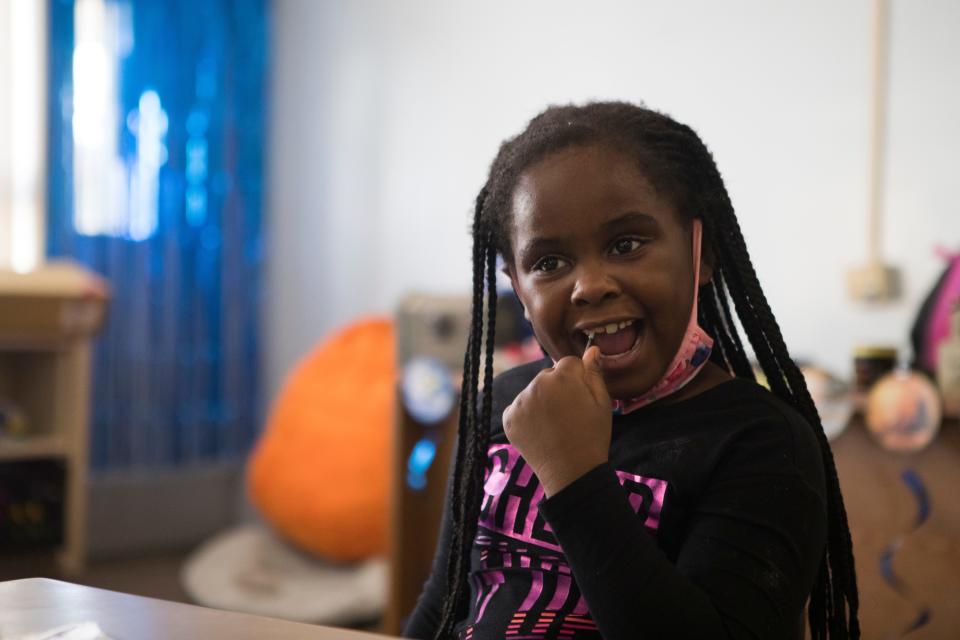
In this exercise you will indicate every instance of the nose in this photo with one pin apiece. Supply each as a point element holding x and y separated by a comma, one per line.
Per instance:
<point>593,285</point>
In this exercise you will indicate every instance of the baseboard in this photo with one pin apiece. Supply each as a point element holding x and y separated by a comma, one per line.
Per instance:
<point>140,512</point>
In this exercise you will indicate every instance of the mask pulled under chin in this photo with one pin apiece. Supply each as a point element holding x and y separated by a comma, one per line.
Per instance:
<point>693,354</point>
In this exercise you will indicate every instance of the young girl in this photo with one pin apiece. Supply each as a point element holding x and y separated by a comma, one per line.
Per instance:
<point>637,483</point>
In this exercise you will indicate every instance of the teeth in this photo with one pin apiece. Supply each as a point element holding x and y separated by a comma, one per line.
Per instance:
<point>613,327</point>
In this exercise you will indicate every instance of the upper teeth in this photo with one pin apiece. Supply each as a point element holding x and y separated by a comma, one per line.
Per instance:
<point>613,327</point>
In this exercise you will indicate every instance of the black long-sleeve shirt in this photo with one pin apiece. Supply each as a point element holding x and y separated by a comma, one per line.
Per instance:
<point>708,521</point>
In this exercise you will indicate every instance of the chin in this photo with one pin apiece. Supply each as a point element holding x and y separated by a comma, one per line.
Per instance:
<point>624,388</point>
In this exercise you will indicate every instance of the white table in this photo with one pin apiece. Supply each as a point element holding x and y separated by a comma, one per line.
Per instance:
<point>38,604</point>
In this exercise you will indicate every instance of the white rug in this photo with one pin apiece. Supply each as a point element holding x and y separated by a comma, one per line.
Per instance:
<point>249,569</point>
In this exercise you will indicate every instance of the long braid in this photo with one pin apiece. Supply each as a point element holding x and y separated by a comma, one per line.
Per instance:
<point>842,572</point>
<point>712,323</point>
<point>483,441</point>
<point>786,380</point>
<point>677,163</point>
<point>741,365</point>
<point>465,461</point>
<point>720,325</point>
<point>827,605</point>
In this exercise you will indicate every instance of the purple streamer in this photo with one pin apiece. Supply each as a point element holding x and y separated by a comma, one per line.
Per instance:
<point>919,490</point>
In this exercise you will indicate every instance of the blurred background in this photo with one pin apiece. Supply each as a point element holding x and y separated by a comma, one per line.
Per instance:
<point>224,221</point>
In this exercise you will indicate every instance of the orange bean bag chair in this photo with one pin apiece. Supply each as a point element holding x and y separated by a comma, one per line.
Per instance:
<point>320,472</point>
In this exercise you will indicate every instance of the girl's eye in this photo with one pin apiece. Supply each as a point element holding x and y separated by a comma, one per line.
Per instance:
<point>626,246</point>
<point>549,263</point>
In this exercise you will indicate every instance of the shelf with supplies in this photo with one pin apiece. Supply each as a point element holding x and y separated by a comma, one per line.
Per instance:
<point>48,318</point>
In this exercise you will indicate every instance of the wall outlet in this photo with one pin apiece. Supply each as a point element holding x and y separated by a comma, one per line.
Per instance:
<point>873,282</point>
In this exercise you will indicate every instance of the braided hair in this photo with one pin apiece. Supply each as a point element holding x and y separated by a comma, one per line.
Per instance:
<point>680,167</point>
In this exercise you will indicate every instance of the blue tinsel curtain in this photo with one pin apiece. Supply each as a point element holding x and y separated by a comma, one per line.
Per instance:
<point>156,125</point>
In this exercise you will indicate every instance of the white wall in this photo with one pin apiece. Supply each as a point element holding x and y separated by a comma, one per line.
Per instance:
<point>387,114</point>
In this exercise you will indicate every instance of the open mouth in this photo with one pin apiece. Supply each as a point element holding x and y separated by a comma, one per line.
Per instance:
<point>614,339</point>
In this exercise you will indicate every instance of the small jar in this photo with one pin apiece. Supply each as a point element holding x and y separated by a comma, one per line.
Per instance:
<point>870,363</point>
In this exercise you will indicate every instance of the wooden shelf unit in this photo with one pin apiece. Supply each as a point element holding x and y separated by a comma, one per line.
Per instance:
<point>47,322</point>
<point>52,387</point>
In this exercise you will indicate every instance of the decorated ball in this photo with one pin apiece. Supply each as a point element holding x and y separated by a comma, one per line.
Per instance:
<point>903,411</point>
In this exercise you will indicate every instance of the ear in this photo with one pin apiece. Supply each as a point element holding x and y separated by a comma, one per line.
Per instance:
<point>511,273</point>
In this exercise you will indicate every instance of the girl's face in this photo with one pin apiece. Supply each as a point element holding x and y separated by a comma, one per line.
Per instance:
<point>595,249</point>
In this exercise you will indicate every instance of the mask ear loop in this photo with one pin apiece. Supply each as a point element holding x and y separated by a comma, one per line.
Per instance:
<point>697,246</point>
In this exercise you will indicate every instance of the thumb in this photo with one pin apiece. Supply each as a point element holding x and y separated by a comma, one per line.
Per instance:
<point>594,375</point>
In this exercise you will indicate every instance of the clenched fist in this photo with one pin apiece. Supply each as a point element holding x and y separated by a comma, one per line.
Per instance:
<point>561,423</point>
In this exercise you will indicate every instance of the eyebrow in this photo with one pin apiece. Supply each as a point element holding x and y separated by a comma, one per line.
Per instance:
<point>540,245</point>
<point>629,218</point>
<point>536,247</point>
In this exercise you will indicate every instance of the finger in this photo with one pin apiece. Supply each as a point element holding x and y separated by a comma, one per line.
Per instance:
<point>569,364</point>
<point>591,359</point>
<point>594,375</point>
<point>505,419</point>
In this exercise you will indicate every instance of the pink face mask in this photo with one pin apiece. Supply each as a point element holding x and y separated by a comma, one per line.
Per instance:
<point>694,349</point>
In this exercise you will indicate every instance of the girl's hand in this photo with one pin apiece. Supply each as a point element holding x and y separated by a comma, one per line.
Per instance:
<point>561,423</point>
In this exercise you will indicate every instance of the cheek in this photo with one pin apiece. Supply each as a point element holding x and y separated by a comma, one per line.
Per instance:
<point>669,306</point>
<point>546,314</point>
<point>541,303</point>
<point>543,319</point>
